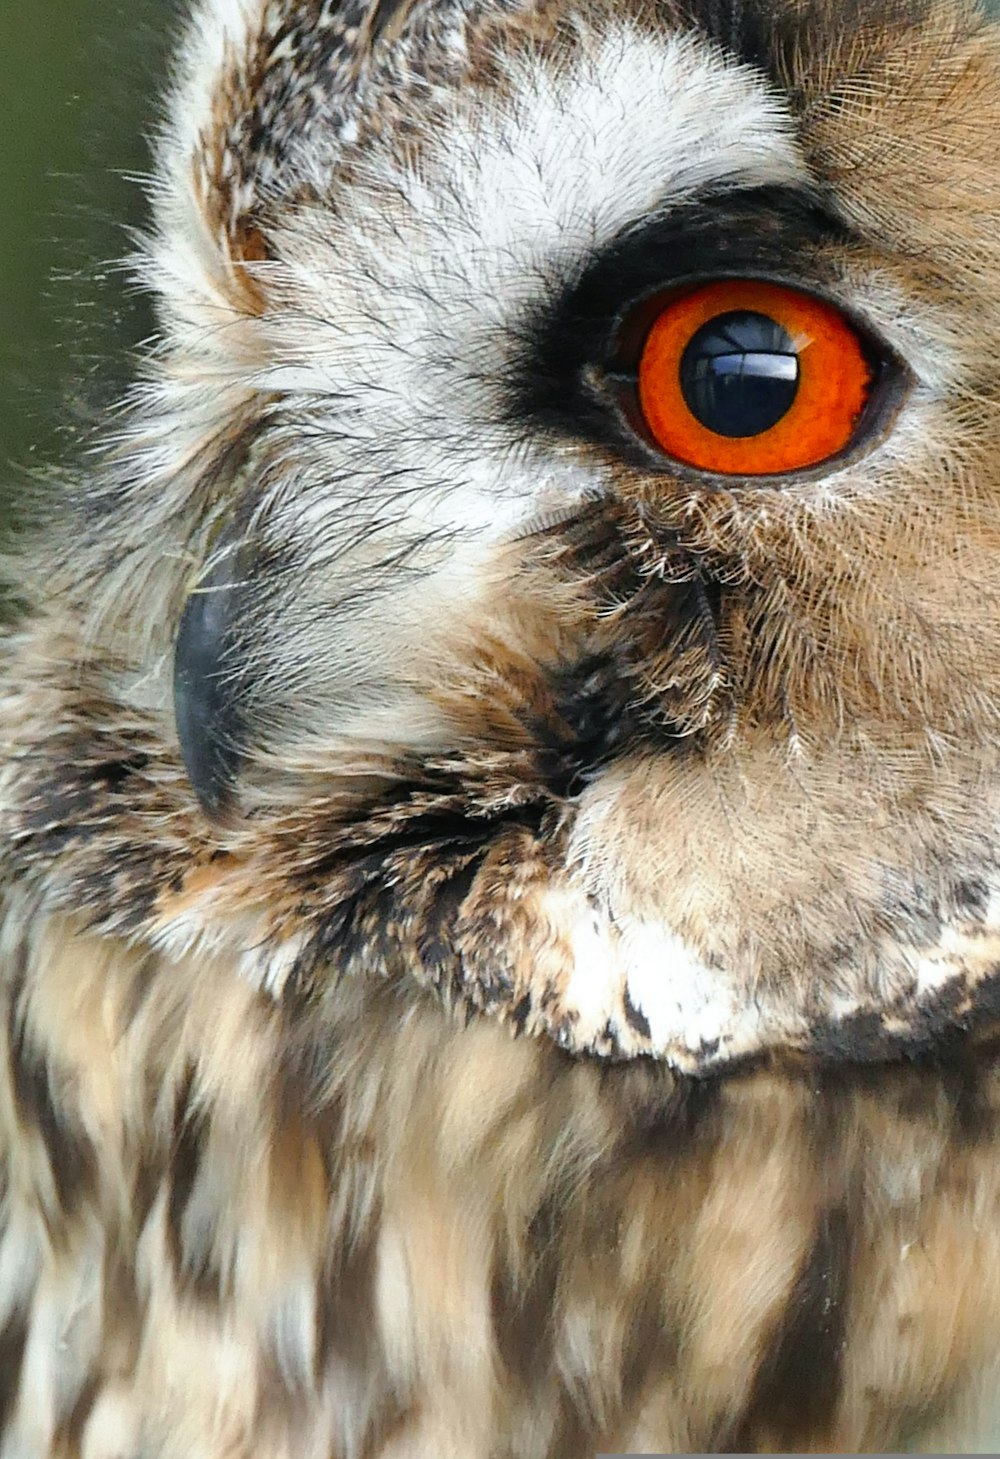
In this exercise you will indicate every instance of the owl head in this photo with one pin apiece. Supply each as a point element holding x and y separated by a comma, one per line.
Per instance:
<point>558,528</point>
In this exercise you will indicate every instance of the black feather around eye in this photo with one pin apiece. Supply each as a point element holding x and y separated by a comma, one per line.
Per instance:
<point>756,233</point>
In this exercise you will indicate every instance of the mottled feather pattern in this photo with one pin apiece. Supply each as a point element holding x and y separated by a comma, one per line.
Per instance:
<point>499,940</point>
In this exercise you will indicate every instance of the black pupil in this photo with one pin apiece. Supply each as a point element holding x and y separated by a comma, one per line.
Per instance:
<point>740,374</point>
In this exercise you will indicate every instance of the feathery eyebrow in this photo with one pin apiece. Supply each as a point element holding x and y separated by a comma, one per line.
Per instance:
<point>756,232</point>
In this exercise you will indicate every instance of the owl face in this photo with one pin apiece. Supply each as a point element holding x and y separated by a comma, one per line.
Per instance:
<point>567,497</point>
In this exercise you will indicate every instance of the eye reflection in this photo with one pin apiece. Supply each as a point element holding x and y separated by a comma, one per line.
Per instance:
<point>740,374</point>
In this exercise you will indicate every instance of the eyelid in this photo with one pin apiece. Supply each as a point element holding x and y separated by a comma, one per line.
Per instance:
<point>630,325</point>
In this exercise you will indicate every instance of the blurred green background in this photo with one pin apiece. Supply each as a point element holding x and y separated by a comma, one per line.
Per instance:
<point>78,87</point>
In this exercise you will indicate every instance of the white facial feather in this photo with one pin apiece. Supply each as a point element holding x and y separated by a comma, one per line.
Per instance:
<point>397,326</point>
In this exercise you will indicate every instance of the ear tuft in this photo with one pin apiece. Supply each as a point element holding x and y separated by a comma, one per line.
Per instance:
<point>261,91</point>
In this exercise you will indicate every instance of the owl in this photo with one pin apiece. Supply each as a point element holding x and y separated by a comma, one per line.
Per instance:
<point>500,754</point>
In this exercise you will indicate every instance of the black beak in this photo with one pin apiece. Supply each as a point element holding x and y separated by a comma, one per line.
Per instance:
<point>209,689</point>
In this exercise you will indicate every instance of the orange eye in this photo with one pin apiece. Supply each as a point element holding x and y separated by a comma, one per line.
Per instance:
<point>750,379</point>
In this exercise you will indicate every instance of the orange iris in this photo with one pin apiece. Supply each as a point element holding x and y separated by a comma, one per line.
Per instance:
<point>749,379</point>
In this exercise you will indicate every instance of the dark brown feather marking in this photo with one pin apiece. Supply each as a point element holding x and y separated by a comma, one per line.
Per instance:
<point>70,1153</point>
<point>70,1433</point>
<point>194,1270</point>
<point>522,1304</point>
<point>799,1380</point>
<point>13,1337</point>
